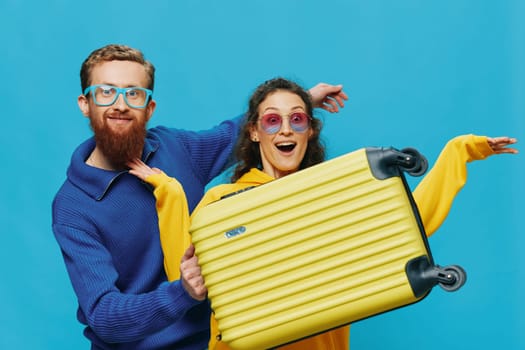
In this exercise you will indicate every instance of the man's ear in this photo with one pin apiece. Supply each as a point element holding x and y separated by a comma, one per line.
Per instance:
<point>83,105</point>
<point>150,108</point>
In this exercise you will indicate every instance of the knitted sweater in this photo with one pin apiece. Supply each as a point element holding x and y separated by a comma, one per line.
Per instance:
<point>106,225</point>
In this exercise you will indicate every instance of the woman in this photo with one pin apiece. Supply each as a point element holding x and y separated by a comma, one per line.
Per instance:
<point>281,136</point>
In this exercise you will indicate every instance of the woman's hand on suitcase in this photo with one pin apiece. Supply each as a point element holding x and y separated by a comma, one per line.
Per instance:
<point>190,275</point>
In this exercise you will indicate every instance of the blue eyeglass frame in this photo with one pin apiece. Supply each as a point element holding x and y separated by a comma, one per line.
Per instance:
<point>120,91</point>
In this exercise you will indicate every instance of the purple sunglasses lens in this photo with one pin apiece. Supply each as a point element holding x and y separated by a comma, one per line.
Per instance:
<point>271,123</point>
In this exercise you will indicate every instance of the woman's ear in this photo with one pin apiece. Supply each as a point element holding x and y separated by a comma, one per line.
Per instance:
<point>254,134</point>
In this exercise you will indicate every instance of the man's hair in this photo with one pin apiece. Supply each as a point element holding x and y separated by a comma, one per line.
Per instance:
<point>114,52</point>
<point>247,152</point>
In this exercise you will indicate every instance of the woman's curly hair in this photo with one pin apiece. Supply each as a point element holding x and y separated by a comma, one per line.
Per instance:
<point>247,152</point>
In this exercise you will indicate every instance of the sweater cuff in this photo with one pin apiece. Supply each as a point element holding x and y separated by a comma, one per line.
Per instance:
<point>477,147</point>
<point>158,179</point>
<point>482,147</point>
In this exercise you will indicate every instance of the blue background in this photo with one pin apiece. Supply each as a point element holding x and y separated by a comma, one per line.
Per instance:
<point>417,73</point>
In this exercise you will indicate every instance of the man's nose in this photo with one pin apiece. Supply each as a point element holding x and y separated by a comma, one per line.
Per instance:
<point>120,103</point>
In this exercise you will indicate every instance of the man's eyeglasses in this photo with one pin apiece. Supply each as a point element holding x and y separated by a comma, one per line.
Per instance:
<point>106,95</point>
<point>271,123</point>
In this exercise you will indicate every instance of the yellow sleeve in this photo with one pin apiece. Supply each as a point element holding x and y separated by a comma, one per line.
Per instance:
<point>174,221</point>
<point>436,192</point>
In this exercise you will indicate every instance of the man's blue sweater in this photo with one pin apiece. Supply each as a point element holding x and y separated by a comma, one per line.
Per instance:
<point>107,227</point>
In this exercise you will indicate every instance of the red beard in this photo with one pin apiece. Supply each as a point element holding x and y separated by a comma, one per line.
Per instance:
<point>122,146</point>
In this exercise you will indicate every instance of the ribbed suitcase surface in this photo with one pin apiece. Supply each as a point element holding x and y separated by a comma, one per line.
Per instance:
<point>314,250</point>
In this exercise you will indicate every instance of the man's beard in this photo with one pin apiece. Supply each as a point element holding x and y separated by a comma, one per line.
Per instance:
<point>119,147</point>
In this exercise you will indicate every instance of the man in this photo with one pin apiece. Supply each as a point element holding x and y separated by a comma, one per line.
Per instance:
<point>105,221</point>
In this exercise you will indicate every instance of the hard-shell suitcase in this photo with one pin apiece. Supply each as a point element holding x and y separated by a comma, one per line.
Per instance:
<point>317,249</point>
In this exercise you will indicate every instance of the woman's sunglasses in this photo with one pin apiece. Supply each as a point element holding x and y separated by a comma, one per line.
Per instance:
<point>271,123</point>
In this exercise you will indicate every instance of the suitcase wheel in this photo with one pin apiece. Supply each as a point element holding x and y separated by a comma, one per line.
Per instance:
<point>452,277</point>
<point>419,164</point>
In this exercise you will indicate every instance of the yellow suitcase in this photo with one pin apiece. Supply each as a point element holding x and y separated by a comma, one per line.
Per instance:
<point>317,249</point>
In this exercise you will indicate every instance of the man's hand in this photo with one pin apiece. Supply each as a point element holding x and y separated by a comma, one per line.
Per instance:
<point>328,97</point>
<point>190,275</point>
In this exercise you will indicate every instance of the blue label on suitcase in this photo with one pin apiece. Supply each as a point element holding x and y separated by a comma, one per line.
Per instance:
<point>235,232</point>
